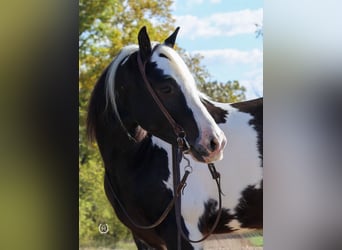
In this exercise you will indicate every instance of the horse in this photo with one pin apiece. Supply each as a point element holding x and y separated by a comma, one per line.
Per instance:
<point>144,102</point>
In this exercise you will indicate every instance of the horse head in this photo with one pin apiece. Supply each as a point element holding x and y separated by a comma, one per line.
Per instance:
<point>156,86</point>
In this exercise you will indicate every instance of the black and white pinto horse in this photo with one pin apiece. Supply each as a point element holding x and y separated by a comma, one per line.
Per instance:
<point>135,140</point>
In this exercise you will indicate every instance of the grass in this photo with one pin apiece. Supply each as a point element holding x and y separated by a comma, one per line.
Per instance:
<point>257,241</point>
<point>125,246</point>
<point>121,245</point>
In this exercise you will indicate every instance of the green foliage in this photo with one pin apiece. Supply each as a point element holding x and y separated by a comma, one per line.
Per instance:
<point>223,92</point>
<point>94,209</point>
<point>104,28</point>
<point>193,61</point>
<point>257,241</point>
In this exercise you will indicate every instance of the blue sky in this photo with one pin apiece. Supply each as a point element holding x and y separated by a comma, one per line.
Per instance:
<point>223,32</point>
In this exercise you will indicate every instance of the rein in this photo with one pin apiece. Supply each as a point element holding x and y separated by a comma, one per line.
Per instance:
<point>178,184</point>
<point>177,157</point>
<point>179,189</point>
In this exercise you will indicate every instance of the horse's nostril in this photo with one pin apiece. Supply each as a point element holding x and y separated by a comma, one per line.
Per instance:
<point>213,144</point>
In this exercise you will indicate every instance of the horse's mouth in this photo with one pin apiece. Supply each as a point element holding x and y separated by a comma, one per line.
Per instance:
<point>196,155</point>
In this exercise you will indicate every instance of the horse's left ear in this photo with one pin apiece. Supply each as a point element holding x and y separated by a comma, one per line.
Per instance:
<point>144,44</point>
<point>170,41</point>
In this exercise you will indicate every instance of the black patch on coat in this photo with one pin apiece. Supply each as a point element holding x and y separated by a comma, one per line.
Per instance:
<point>209,216</point>
<point>249,212</point>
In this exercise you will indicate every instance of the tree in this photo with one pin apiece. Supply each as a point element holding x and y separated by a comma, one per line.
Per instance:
<point>193,61</point>
<point>259,32</point>
<point>230,91</point>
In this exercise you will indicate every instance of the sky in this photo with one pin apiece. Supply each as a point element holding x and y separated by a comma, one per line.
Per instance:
<point>223,31</point>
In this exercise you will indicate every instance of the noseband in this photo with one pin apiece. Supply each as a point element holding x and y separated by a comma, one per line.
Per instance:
<point>178,185</point>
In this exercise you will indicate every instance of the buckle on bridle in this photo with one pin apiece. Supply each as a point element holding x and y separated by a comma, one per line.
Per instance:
<point>183,144</point>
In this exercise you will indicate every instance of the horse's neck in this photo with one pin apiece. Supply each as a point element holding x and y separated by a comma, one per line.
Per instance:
<point>116,136</point>
<point>114,142</point>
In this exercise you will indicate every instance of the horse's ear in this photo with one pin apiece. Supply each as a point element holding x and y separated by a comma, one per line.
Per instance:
<point>170,41</point>
<point>144,44</point>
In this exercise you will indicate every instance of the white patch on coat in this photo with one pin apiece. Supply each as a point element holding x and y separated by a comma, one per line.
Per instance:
<point>167,147</point>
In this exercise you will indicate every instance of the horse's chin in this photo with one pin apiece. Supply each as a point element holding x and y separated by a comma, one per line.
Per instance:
<point>217,157</point>
<point>207,158</point>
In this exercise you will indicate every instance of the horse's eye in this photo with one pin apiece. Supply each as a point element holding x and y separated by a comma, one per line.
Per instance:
<point>166,89</point>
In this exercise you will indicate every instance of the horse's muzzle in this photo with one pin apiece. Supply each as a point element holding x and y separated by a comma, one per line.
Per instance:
<point>209,149</point>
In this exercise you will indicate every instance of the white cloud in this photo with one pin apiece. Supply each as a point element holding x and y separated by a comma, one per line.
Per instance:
<point>231,56</point>
<point>246,65</point>
<point>253,82</point>
<point>220,24</point>
<point>215,1</point>
<point>191,3</point>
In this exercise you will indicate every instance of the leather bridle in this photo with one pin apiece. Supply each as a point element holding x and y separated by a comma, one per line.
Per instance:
<point>178,184</point>
<point>178,130</point>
